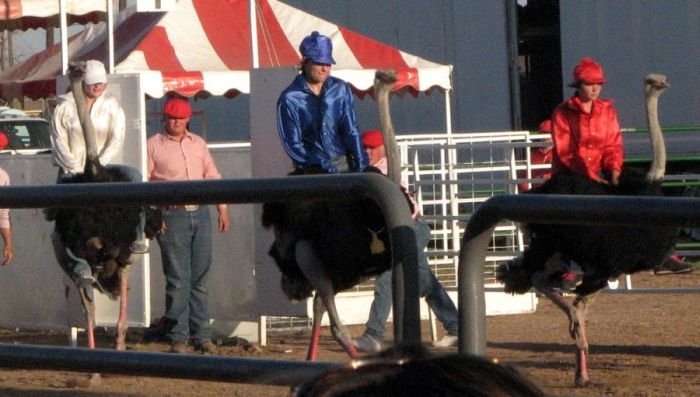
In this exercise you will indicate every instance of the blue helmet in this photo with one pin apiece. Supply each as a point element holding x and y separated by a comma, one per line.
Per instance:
<point>317,48</point>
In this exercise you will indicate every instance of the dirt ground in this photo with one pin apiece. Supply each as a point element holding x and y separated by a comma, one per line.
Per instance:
<point>641,345</point>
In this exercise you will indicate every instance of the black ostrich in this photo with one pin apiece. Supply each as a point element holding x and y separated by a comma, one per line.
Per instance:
<point>337,244</point>
<point>101,236</point>
<point>602,252</point>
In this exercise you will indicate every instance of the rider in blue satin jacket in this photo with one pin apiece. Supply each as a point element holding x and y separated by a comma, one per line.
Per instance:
<point>316,116</point>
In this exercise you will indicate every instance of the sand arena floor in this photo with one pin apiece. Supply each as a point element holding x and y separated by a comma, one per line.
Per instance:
<point>641,345</point>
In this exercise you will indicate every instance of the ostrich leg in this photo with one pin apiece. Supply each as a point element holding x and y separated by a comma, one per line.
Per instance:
<point>120,340</point>
<point>87,299</point>
<point>319,309</point>
<point>580,335</point>
<point>312,267</point>
<point>576,313</point>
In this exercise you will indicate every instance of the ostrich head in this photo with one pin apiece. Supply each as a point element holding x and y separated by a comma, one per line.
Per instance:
<point>654,86</point>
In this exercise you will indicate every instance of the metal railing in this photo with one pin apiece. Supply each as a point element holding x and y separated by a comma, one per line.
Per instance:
<point>560,209</point>
<point>285,189</point>
<point>164,365</point>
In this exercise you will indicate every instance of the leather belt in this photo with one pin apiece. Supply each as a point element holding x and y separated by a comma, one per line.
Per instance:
<point>188,207</point>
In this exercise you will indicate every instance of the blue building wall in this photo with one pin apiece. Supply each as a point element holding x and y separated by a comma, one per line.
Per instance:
<point>630,39</point>
<point>469,34</point>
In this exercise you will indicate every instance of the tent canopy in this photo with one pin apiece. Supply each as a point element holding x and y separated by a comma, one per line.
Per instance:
<point>34,14</point>
<point>204,47</point>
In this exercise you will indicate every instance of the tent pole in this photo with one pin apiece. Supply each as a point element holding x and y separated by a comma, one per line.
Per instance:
<point>63,16</point>
<point>252,4</point>
<point>110,37</point>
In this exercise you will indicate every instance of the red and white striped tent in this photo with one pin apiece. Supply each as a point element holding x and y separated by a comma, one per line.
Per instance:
<point>34,14</point>
<point>205,47</point>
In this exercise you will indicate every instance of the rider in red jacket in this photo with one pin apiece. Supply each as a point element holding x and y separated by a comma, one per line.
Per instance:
<point>586,132</point>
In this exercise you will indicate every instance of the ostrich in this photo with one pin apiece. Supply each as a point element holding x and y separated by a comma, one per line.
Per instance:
<point>100,236</point>
<point>603,252</point>
<point>340,243</point>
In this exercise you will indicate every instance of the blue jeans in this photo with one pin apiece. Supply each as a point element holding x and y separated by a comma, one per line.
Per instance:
<point>429,287</point>
<point>77,267</point>
<point>186,250</point>
<point>74,266</point>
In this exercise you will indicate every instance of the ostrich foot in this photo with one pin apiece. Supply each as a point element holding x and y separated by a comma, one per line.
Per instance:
<point>91,380</point>
<point>342,335</point>
<point>122,328</point>
<point>582,379</point>
<point>349,348</point>
<point>120,344</point>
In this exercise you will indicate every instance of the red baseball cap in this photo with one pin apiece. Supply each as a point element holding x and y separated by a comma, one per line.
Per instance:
<point>588,71</point>
<point>177,108</point>
<point>372,139</point>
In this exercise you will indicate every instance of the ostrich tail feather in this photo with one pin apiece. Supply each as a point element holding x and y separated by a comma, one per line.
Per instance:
<point>514,277</point>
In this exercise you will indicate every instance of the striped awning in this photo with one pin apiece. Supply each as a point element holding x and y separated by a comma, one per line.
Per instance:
<point>203,47</point>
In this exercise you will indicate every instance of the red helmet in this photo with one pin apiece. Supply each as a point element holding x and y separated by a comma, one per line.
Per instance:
<point>588,71</point>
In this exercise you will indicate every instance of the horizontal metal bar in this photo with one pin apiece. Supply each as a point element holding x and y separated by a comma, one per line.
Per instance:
<point>680,128</point>
<point>591,210</point>
<point>186,366</point>
<point>346,186</point>
<point>619,291</point>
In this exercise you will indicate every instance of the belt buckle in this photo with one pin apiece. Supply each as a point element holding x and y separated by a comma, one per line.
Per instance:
<point>191,207</point>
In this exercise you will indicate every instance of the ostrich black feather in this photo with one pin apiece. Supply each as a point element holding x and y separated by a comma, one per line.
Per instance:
<point>102,235</point>
<point>345,235</point>
<point>602,252</point>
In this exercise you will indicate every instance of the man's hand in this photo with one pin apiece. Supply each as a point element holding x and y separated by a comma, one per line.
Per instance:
<point>615,178</point>
<point>9,254</point>
<point>223,217</point>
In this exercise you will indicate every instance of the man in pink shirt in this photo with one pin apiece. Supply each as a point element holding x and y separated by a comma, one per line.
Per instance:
<point>428,285</point>
<point>185,242</point>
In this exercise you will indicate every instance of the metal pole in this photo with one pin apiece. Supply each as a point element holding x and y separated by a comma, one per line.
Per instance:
<point>110,37</point>
<point>448,114</point>
<point>470,294</point>
<point>63,17</point>
<point>512,34</point>
<point>198,367</point>
<point>252,4</point>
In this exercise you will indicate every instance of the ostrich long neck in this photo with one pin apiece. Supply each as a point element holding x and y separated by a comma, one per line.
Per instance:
<point>383,84</point>
<point>657,169</point>
<point>92,160</point>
